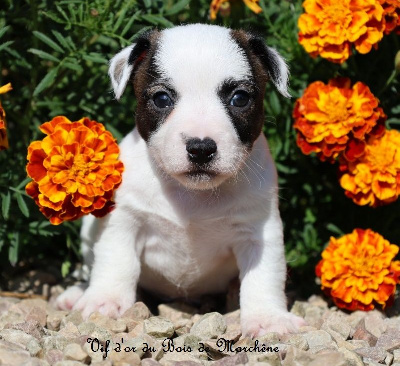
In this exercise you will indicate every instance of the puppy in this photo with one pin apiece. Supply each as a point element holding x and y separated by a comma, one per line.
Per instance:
<point>198,203</point>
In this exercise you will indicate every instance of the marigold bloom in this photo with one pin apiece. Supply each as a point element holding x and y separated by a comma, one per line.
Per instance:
<point>216,5</point>
<point>330,28</point>
<point>335,118</point>
<point>3,127</point>
<point>75,169</point>
<point>391,9</point>
<point>358,271</point>
<point>374,178</point>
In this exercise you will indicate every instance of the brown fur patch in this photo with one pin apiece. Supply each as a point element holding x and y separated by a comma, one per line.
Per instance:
<point>146,120</point>
<point>260,74</point>
<point>249,124</point>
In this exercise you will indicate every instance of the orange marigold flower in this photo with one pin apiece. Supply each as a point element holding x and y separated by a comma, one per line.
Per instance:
<point>391,9</point>
<point>335,118</point>
<point>3,127</point>
<point>330,28</point>
<point>75,169</point>
<point>216,5</point>
<point>358,271</point>
<point>374,178</point>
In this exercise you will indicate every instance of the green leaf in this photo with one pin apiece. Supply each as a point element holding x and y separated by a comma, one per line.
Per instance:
<point>4,30</point>
<point>120,19</point>
<point>285,169</point>
<point>5,45</point>
<point>157,20</point>
<point>62,12</point>
<point>80,13</point>
<point>53,17</point>
<point>5,204</point>
<point>73,66</point>
<point>61,39</point>
<point>310,235</point>
<point>396,109</point>
<point>39,228</point>
<point>334,229</point>
<point>44,55</point>
<point>16,55</point>
<point>71,43</point>
<point>72,12</point>
<point>95,57</point>
<point>308,188</point>
<point>23,183</point>
<point>87,109</point>
<point>274,103</point>
<point>65,268</point>
<point>309,217</point>
<point>295,258</point>
<point>176,8</point>
<point>130,22</point>
<point>13,249</point>
<point>48,41</point>
<point>393,121</point>
<point>46,81</point>
<point>22,205</point>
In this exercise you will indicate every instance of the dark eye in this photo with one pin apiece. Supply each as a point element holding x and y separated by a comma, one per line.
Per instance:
<point>240,99</point>
<point>162,100</point>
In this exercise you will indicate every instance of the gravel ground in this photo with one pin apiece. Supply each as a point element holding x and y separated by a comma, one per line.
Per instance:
<point>32,332</point>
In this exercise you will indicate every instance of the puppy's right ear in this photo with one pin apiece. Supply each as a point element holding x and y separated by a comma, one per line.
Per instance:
<point>123,64</point>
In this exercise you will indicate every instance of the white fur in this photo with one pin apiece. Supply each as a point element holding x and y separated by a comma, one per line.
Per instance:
<point>283,80</point>
<point>179,237</point>
<point>120,71</point>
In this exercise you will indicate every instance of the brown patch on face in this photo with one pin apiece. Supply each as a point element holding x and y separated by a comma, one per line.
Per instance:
<point>145,76</point>
<point>264,59</point>
<point>242,38</point>
<point>141,75</point>
<point>248,123</point>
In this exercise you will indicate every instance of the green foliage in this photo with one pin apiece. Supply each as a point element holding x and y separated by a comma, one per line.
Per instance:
<point>55,54</point>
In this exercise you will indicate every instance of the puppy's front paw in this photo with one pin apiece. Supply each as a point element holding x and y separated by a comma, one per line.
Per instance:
<point>258,325</point>
<point>69,297</point>
<point>112,304</point>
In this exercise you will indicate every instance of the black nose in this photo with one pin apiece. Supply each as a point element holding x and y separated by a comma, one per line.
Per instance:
<point>201,151</point>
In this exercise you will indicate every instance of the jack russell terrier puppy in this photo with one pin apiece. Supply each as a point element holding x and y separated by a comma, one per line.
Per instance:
<point>198,203</point>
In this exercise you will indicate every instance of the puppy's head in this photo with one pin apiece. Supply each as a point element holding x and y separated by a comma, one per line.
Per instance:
<point>200,97</point>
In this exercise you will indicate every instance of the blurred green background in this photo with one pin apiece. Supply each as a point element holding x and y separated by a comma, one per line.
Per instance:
<point>55,54</point>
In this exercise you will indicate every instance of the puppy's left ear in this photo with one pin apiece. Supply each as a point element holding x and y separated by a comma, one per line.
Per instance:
<point>273,63</point>
<point>124,63</point>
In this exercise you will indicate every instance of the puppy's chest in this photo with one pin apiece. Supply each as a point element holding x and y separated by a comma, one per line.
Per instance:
<point>193,238</point>
<point>184,254</point>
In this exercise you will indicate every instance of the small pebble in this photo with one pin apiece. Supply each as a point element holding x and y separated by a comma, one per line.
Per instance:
<point>158,327</point>
<point>209,326</point>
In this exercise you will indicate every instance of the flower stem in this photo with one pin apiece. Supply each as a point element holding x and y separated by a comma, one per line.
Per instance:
<point>388,81</point>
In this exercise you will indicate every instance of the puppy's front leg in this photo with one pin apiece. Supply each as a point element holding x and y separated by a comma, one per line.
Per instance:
<point>262,268</point>
<point>116,268</point>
